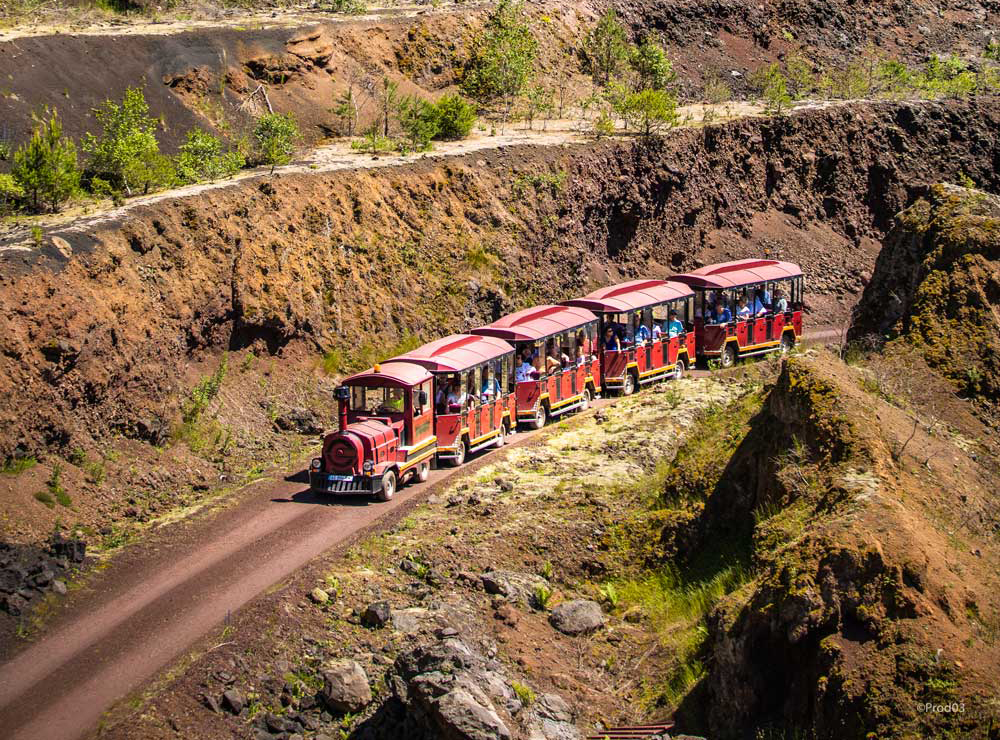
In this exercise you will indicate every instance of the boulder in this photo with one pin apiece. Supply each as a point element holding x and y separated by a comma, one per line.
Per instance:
<point>577,617</point>
<point>461,715</point>
<point>233,701</point>
<point>74,550</point>
<point>303,421</point>
<point>59,587</point>
<point>319,596</point>
<point>376,615</point>
<point>345,686</point>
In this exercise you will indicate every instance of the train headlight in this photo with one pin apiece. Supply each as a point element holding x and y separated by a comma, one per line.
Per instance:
<point>368,467</point>
<point>315,465</point>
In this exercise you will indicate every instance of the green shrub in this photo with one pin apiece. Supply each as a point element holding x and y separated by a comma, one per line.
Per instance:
<point>17,465</point>
<point>46,498</point>
<point>651,111</point>
<point>348,7</point>
<point>127,154</point>
<point>373,141</point>
<point>456,117</point>
<point>202,157</point>
<point>205,392</point>
<point>773,88</point>
<point>275,136</point>
<point>651,66</point>
<point>541,595</point>
<point>45,168</point>
<point>605,48</point>
<point>56,489</point>
<point>11,194</point>
<point>524,694</point>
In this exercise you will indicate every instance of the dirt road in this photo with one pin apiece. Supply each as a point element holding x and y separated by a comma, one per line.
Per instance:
<point>160,596</point>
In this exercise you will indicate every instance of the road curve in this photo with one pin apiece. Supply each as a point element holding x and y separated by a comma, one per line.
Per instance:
<point>159,597</point>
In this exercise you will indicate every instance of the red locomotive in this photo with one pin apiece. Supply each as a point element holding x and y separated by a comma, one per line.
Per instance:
<point>454,396</point>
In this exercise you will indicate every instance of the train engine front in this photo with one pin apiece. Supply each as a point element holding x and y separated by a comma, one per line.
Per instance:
<point>384,437</point>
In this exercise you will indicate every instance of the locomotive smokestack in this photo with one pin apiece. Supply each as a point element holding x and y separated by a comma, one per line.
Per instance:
<point>342,394</point>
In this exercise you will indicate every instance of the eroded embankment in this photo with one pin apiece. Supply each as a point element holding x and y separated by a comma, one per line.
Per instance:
<point>110,339</point>
<point>866,595</point>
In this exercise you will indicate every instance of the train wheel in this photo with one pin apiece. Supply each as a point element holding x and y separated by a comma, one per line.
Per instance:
<point>388,487</point>
<point>541,416</point>
<point>585,403</point>
<point>679,369</point>
<point>728,358</point>
<point>460,453</point>
<point>628,386</point>
<point>502,437</point>
<point>787,342</point>
<point>424,472</point>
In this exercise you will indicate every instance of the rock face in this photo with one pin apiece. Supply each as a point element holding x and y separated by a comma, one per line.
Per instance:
<point>28,572</point>
<point>577,617</point>
<point>345,686</point>
<point>449,691</point>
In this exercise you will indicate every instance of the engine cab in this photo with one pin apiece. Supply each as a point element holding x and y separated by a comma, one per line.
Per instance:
<point>385,436</point>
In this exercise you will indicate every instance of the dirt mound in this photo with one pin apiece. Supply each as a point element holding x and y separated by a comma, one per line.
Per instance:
<point>872,606</point>
<point>112,339</point>
<point>936,285</point>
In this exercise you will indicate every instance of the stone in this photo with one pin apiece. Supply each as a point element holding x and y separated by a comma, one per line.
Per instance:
<point>577,617</point>
<point>376,615</point>
<point>408,620</point>
<point>345,686</point>
<point>554,707</point>
<point>74,550</point>
<point>464,717</point>
<point>505,486</point>
<point>319,596</point>
<point>303,421</point>
<point>633,615</point>
<point>212,703</point>
<point>59,587</point>
<point>233,701</point>
<point>44,578</point>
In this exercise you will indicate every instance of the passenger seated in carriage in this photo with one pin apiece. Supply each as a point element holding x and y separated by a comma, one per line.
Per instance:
<point>525,371</point>
<point>457,398</point>
<point>721,314</point>
<point>491,386</point>
<point>642,333</point>
<point>674,326</point>
<point>611,341</point>
<point>552,363</point>
<point>742,309</point>
<point>780,302</point>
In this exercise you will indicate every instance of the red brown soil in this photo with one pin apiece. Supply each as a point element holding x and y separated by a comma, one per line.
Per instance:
<point>179,583</point>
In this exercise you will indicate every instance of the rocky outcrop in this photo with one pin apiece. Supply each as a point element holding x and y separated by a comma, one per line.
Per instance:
<point>27,573</point>
<point>345,686</point>
<point>448,690</point>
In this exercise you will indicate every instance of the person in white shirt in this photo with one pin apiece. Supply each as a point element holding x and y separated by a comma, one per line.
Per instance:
<point>456,396</point>
<point>524,371</point>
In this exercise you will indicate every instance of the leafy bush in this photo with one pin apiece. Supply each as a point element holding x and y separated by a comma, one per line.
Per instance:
<point>348,7</point>
<point>541,595</point>
<point>774,88</point>
<point>126,154</point>
<point>604,125</point>
<point>651,66</point>
<point>11,194</point>
<point>524,694</point>
<point>45,168</point>
<point>205,391</point>
<point>456,117</point>
<point>651,111</point>
<point>373,141</point>
<point>275,136</point>
<point>201,157</point>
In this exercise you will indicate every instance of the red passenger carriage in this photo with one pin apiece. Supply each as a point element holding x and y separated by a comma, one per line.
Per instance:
<point>645,331</point>
<point>743,308</point>
<point>473,392</point>
<point>556,356</point>
<point>386,433</point>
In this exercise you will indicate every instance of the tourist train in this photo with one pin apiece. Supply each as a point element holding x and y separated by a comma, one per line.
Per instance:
<point>454,396</point>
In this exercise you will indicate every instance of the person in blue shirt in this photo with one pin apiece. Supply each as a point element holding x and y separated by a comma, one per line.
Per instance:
<point>642,334</point>
<point>674,326</point>
<point>491,386</point>
<point>765,297</point>
<point>722,314</point>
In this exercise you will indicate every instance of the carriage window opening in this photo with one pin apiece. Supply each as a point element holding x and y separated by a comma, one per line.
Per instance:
<point>472,386</point>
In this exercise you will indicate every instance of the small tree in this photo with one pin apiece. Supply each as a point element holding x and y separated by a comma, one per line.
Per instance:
<point>127,147</point>
<point>651,111</point>
<point>774,88</point>
<point>606,48</point>
<point>388,101</point>
<point>800,75</point>
<point>373,141</point>
<point>45,168</point>
<point>419,121</point>
<point>502,58</point>
<point>349,104</point>
<point>275,135</point>
<point>537,99</point>
<point>652,67</point>
<point>455,117</point>
<point>201,157</point>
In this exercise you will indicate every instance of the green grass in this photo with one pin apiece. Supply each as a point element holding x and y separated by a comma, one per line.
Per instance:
<point>17,465</point>
<point>524,693</point>
<point>337,361</point>
<point>46,498</point>
<point>56,489</point>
